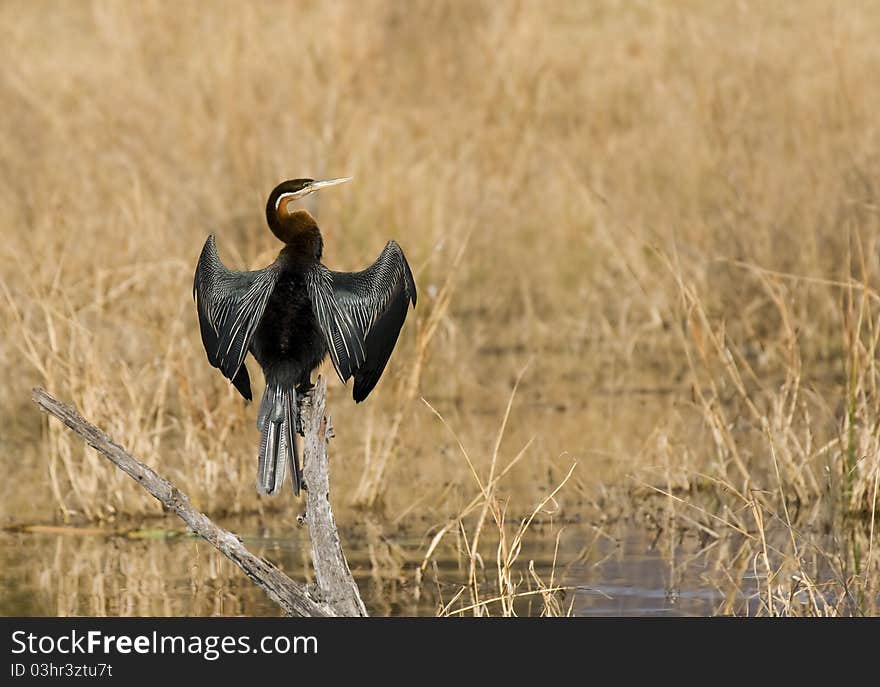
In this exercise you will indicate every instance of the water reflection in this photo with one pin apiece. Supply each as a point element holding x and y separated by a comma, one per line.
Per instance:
<point>167,573</point>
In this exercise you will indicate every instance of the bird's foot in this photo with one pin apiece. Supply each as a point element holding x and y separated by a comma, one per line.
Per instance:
<point>298,420</point>
<point>302,391</point>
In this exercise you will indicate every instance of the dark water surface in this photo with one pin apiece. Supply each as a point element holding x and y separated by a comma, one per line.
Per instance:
<point>60,571</point>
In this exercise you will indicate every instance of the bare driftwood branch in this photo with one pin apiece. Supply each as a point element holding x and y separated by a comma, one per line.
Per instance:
<point>293,597</point>
<point>331,569</point>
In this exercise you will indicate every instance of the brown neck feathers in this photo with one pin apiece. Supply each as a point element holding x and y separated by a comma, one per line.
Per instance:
<point>298,229</point>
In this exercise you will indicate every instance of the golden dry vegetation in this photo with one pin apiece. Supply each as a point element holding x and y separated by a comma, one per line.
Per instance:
<point>663,214</point>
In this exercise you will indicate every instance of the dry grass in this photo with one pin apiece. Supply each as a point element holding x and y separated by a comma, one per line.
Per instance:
<point>507,577</point>
<point>792,481</point>
<point>672,208</point>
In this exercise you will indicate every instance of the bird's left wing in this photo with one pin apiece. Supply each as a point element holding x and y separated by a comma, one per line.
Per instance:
<point>361,314</point>
<point>230,305</point>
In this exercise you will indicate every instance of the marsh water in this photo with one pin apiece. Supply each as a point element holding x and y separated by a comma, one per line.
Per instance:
<point>71,571</point>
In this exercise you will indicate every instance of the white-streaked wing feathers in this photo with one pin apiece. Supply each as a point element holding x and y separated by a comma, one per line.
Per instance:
<point>230,305</point>
<point>344,340</point>
<point>361,314</point>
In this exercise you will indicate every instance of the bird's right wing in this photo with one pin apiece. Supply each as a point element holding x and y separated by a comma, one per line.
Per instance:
<point>361,314</point>
<point>230,305</point>
<point>345,341</point>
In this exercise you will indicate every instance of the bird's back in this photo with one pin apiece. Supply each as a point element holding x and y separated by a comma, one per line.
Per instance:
<point>288,343</point>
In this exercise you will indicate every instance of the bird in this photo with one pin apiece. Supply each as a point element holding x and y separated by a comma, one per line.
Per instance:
<point>290,315</point>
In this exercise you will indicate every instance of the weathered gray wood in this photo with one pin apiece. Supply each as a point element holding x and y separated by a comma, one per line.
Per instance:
<point>293,597</point>
<point>333,576</point>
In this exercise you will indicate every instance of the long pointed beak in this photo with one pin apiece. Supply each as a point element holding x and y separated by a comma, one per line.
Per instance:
<point>316,185</point>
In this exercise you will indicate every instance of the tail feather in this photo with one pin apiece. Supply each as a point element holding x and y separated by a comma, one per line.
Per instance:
<point>277,441</point>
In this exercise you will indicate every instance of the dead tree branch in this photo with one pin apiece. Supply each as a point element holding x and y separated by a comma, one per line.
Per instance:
<point>336,593</point>
<point>331,568</point>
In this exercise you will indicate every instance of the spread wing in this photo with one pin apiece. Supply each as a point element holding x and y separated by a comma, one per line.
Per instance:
<point>361,314</point>
<point>230,305</point>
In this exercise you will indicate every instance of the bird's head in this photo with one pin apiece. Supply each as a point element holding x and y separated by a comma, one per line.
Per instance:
<point>296,228</point>
<point>294,189</point>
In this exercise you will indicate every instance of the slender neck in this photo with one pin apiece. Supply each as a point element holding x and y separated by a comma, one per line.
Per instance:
<point>298,229</point>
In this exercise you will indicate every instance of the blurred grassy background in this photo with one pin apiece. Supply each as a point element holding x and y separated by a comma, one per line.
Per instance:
<point>658,198</point>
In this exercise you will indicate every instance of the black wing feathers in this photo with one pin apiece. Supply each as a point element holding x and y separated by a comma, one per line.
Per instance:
<point>379,344</point>
<point>361,314</point>
<point>230,305</point>
<point>345,340</point>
